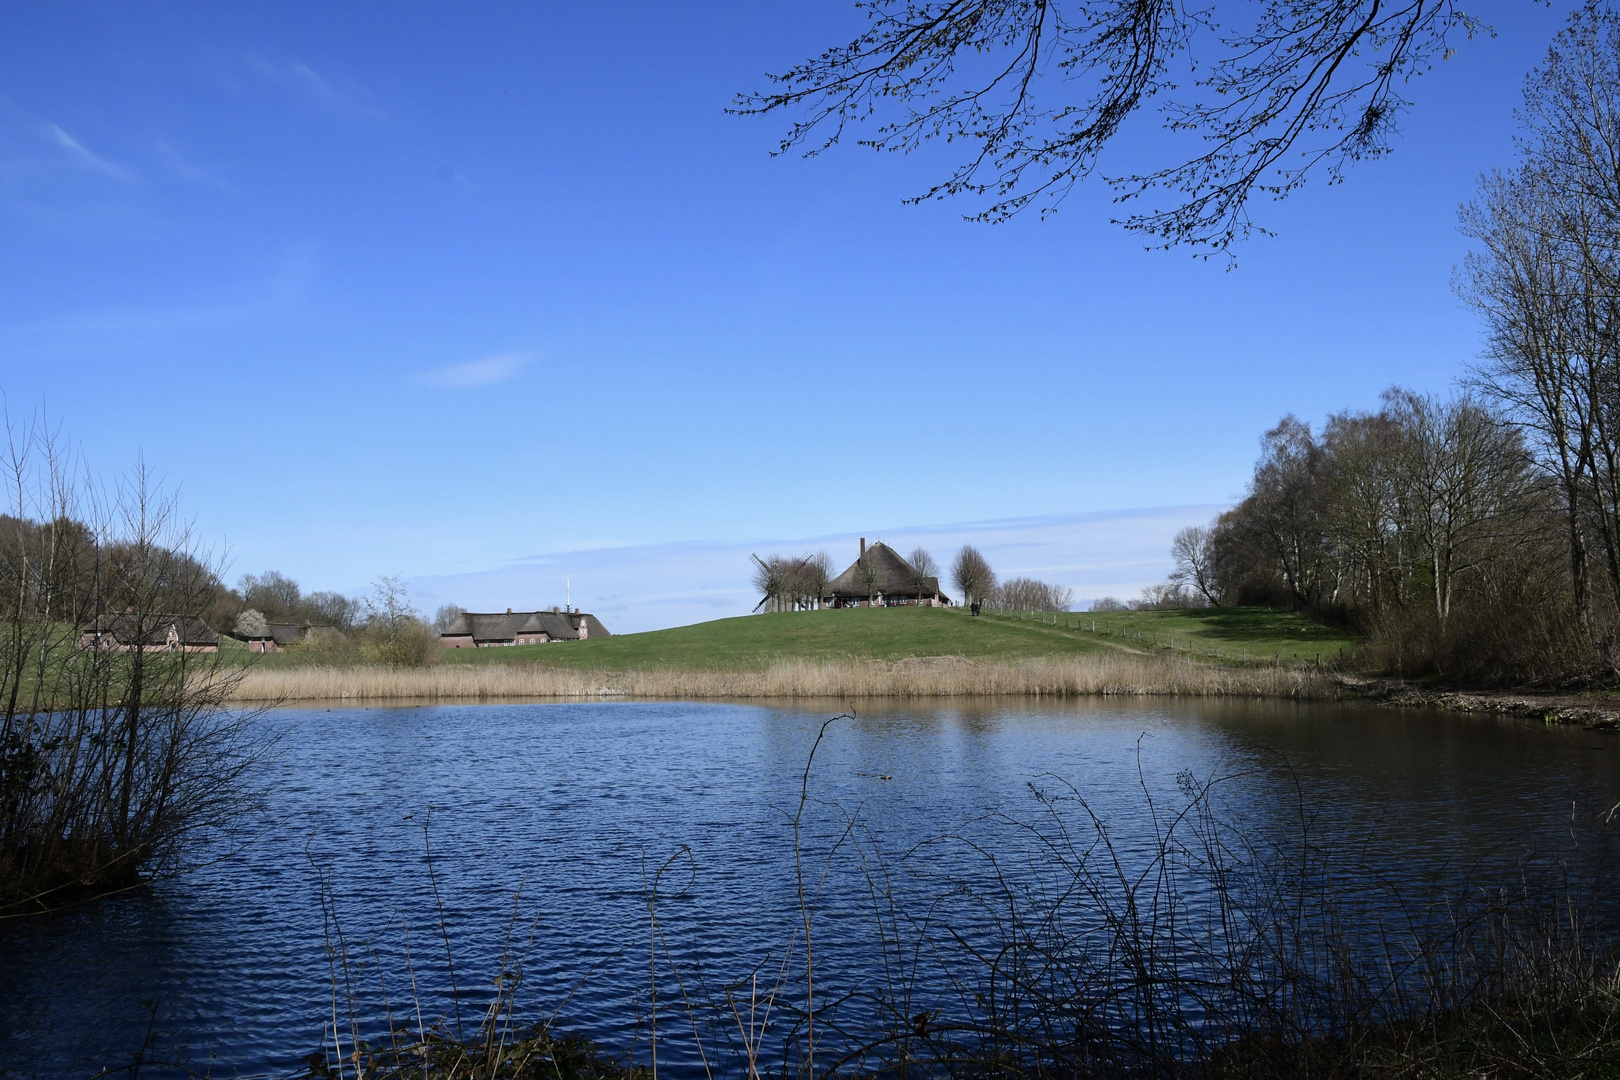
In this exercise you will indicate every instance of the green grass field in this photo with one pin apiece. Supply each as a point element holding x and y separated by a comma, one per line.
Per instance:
<point>1259,633</point>
<point>754,642</point>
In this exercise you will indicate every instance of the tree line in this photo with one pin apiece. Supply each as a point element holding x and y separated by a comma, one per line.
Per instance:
<point>1477,534</point>
<point>1427,522</point>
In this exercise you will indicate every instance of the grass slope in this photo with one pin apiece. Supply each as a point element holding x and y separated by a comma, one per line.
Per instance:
<point>1261,633</point>
<point>754,642</point>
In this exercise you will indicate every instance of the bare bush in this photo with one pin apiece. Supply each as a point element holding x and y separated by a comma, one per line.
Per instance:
<point>393,633</point>
<point>1109,603</point>
<point>115,742</point>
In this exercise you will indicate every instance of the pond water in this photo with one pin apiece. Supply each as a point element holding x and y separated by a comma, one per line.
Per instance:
<point>574,807</point>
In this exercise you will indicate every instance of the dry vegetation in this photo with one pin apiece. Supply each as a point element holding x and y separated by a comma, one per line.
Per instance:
<point>941,676</point>
<point>111,757</point>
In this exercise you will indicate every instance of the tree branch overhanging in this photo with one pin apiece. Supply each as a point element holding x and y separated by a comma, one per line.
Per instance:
<point>1035,90</point>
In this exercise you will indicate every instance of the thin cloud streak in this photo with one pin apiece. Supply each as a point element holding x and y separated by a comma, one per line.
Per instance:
<point>84,158</point>
<point>306,83</point>
<point>476,373</point>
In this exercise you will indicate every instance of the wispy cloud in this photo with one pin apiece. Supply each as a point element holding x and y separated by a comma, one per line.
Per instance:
<point>81,157</point>
<point>305,83</point>
<point>172,161</point>
<point>646,587</point>
<point>474,373</point>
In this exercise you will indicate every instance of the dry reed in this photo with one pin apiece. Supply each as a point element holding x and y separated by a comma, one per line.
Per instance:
<point>1123,675</point>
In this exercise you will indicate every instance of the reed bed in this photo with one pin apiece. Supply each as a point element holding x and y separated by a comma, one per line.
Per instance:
<point>1122,675</point>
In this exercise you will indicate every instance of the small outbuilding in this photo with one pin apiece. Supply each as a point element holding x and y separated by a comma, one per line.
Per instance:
<point>880,577</point>
<point>128,631</point>
<point>481,630</point>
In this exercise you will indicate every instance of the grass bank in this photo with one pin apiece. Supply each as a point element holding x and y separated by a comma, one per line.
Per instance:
<point>1102,673</point>
<point>756,642</point>
<point>1229,635</point>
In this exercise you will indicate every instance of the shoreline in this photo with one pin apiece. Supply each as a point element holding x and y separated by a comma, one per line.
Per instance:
<point>1573,710</point>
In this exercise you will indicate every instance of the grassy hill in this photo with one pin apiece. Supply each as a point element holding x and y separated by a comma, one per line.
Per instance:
<point>754,642</point>
<point>1224,633</point>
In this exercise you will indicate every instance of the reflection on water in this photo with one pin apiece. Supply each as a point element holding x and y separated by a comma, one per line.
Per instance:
<point>578,803</point>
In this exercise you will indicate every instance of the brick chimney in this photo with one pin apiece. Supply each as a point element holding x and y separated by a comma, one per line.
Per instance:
<point>863,547</point>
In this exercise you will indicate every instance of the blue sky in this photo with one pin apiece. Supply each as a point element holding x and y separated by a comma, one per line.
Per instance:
<point>477,293</point>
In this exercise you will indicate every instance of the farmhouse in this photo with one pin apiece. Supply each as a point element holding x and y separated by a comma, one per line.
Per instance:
<point>149,633</point>
<point>278,636</point>
<point>476,630</point>
<point>881,578</point>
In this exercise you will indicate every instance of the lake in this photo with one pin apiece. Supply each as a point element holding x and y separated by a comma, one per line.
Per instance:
<point>574,808</point>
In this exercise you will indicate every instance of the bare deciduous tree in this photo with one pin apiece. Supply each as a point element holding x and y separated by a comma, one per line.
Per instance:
<point>868,575</point>
<point>1194,552</point>
<point>971,574</point>
<point>924,571</point>
<point>1548,283</point>
<point>1465,479</point>
<point>816,572</point>
<point>280,599</point>
<point>1395,520</point>
<point>1027,594</point>
<point>446,615</point>
<point>773,579</point>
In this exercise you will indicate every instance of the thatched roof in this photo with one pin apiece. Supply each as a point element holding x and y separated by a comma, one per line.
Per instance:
<point>505,626</point>
<point>153,629</point>
<point>296,633</point>
<point>890,575</point>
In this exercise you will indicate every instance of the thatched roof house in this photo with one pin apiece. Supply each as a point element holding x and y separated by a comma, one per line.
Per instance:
<point>279,635</point>
<point>151,632</point>
<point>880,577</point>
<point>475,630</point>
